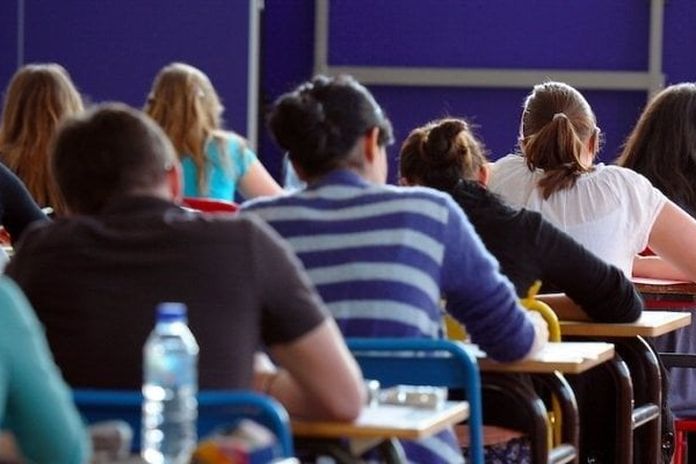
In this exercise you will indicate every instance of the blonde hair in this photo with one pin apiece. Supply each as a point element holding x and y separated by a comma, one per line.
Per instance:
<point>37,99</point>
<point>185,104</point>
<point>557,122</point>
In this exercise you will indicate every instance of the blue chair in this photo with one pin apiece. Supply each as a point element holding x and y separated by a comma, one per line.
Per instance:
<point>421,361</point>
<point>214,408</point>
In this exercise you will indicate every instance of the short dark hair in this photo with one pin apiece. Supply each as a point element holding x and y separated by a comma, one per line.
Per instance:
<point>108,151</point>
<point>320,121</point>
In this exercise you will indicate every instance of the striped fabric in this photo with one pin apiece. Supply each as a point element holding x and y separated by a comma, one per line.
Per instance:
<point>381,257</point>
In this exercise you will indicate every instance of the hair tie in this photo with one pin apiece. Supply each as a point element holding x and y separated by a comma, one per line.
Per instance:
<point>558,115</point>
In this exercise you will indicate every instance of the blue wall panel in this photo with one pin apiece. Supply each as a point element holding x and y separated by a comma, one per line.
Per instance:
<point>113,48</point>
<point>8,41</point>
<point>679,57</point>
<point>586,34</point>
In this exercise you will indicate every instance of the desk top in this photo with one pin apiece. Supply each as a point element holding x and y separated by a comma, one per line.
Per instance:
<point>387,421</point>
<point>650,324</point>
<point>664,287</point>
<point>565,357</point>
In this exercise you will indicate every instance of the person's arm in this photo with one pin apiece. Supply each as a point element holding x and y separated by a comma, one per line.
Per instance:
<point>38,407</point>
<point>481,298</point>
<point>257,182</point>
<point>673,238</point>
<point>319,378</point>
<point>565,308</point>
<point>18,207</point>
<point>655,267</point>
<point>601,291</point>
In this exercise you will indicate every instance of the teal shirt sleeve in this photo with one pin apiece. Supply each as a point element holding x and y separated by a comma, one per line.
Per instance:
<point>35,403</point>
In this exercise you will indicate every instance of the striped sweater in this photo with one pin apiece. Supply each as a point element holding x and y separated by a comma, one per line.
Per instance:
<point>382,257</point>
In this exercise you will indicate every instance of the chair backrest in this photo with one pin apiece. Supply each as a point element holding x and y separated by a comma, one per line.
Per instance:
<point>214,408</point>
<point>422,361</point>
<point>547,313</point>
<point>210,205</point>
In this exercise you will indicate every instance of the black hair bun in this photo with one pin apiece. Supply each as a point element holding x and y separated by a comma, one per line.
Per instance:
<point>440,148</point>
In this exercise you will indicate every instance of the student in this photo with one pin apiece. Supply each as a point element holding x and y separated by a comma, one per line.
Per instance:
<point>35,404</point>
<point>612,211</point>
<point>216,163</point>
<point>95,277</point>
<point>382,256</point>
<point>37,99</point>
<point>662,147</point>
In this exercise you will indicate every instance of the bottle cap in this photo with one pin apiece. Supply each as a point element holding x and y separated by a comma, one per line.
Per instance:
<point>171,311</point>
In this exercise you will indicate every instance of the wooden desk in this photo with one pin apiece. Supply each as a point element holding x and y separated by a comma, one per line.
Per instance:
<point>387,421</point>
<point>664,287</point>
<point>650,324</point>
<point>564,357</point>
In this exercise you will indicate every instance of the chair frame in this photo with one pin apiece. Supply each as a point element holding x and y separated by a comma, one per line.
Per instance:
<point>434,362</point>
<point>214,407</point>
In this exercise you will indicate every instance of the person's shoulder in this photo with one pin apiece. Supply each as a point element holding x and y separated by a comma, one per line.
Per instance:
<point>260,203</point>
<point>416,193</point>
<point>621,177</point>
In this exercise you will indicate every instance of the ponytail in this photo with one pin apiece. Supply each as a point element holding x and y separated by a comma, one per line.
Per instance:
<point>557,123</point>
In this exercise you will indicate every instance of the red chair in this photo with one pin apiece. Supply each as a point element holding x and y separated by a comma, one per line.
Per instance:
<point>681,427</point>
<point>210,205</point>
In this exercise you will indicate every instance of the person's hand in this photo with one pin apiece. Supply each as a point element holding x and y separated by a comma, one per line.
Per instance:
<point>541,332</point>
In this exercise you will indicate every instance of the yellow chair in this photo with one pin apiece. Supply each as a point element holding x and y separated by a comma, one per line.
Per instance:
<point>532,304</point>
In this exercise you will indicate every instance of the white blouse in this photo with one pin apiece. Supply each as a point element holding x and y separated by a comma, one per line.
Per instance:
<point>610,210</point>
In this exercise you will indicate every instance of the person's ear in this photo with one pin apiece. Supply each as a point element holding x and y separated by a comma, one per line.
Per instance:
<point>593,142</point>
<point>484,174</point>
<point>404,182</point>
<point>371,146</point>
<point>175,181</point>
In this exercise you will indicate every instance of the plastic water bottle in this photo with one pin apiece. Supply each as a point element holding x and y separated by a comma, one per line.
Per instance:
<point>170,384</point>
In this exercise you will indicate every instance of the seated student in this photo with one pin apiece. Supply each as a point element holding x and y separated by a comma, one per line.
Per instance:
<point>382,256</point>
<point>614,212</point>
<point>37,99</point>
<point>35,404</point>
<point>96,275</point>
<point>662,147</point>
<point>446,155</point>
<point>216,163</point>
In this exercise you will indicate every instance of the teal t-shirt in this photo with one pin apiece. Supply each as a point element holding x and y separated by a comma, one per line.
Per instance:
<point>222,177</point>
<point>35,403</point>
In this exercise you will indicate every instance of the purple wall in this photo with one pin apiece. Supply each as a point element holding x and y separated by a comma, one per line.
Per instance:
<point>8,41</point>
<point>113,49</point>
<point>589,34</point>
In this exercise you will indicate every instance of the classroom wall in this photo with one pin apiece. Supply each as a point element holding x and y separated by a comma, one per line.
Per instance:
<point>589,35</point>
<point>114,47</point>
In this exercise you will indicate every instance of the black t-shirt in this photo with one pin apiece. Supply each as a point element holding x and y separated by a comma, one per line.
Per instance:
<point>95,281</point>
<point>529,248</point>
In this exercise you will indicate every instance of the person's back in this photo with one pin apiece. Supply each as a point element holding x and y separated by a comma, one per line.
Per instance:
<point>109,271</point>
<point>96,276</point>
<point>610,210</point>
